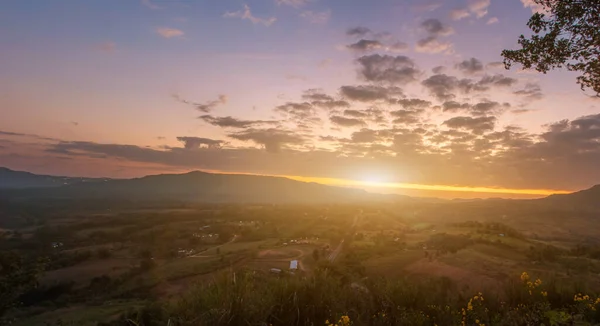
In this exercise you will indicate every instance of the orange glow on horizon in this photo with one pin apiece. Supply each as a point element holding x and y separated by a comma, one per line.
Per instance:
<point>411,186</point>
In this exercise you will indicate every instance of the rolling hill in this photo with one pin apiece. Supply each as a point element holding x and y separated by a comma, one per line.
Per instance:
<point>10,179</point>
<point>192,186</point>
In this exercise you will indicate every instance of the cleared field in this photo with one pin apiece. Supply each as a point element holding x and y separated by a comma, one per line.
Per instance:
<point>393,265</point>
<point>88,270</point>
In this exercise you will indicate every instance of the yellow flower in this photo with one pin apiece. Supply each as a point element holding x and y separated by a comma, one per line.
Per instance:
<point>476,321</point>
<point>524,277</point>
<point>538,282</point>
<point>544,293</point>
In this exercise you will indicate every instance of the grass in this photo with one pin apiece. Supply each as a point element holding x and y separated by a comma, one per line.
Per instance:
<point>259,299</point>
<point>81,315</point>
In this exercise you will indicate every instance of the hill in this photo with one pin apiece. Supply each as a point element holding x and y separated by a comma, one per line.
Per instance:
<point>584,198</point>
<point>202,187</point>
<point>10,179</point>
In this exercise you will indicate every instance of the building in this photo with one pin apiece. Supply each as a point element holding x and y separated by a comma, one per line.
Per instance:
<point>293,265</point>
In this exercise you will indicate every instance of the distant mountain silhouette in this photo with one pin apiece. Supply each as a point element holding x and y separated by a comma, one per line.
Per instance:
<point>197,186</point>
<point>584,198</point>
<point>10,179</point>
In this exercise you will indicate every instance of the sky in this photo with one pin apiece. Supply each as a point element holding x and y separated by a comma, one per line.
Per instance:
<point>394,96</point>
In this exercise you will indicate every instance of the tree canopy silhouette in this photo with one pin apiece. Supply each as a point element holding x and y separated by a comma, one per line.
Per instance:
<point>566,33</point>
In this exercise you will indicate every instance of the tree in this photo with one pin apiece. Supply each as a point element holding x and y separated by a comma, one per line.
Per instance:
<point>17,276</point>
<point>566,34</point>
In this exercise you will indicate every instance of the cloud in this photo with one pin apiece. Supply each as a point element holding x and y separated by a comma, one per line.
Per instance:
<point>498,80</point>
<point>168,32</point>
<point>369,93</point>
<point>443,86</point>
<point>479,7</point>
<point>453,106</point>
<point>492,20</point>
<point>407,116</point>
<point>316,17</point>
<point>534,6</point>
<point>386,68</point>
<point>293,3</point>
<point>432,45</point>
<point>458,14</point>
<point>298,111</point>
<point>476,125</point>
<point>435,27</point>
<point>197,142</point>
<point>355,113</point>
<point>107,47</point>
<point>247,14</point>
<point>359,31</point>
<point>272,139</point>
<point>462,150</point>
<point>346,122</point>
<point>470,66</point>
<point>232,122</point>
<point>365,45</point>
<point>150,5</point>
<point>530,92</point>
<point>413,103</point>
<point>488,108</point>
<point>204,107</point>
<point>495,65</point>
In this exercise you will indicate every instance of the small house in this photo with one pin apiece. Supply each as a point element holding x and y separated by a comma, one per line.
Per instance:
<point>294,265</point>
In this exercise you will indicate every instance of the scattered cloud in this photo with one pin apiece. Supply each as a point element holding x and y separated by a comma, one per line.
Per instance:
<point>231,122</point>
<point>531,92</point>
<point>533,5</point>
<point>197,142</point>
<point>359,31</point>
<point>369,93</point>
<point>293,3</point>
<point>476,125</point>
<point>204,107</point>
<point>389,69</point>
<point>247,15</point>
<point>273,140</point>
<point>432,45</point>
<point>314,17</point>
<point>150,4</point>
<point>168,32</point>
<point>347,122</point>
<point>492,20</point>
<point>471,66</point>
<point>435,27</point>
<point>458,14</point>
<point>478,8</point>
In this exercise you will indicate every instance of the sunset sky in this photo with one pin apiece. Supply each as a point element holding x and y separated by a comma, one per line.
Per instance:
<point>400,95</point>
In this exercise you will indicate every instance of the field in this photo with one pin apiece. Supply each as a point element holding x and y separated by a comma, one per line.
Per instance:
<point>102,265</point>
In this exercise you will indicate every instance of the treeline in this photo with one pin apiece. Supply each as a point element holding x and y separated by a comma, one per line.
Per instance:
<point>491,228</point>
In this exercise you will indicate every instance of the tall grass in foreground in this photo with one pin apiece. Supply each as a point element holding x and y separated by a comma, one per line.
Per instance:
<point>249,298</point>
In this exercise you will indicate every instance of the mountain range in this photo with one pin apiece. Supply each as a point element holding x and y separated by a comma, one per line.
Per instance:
<point>192,186</point>
<point>209,187</point>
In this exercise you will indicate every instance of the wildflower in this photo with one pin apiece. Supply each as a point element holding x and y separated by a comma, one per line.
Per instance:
<point>538,282</point>
<point>477,321</point>
<point>524,277</point>
<point>544,293</point>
